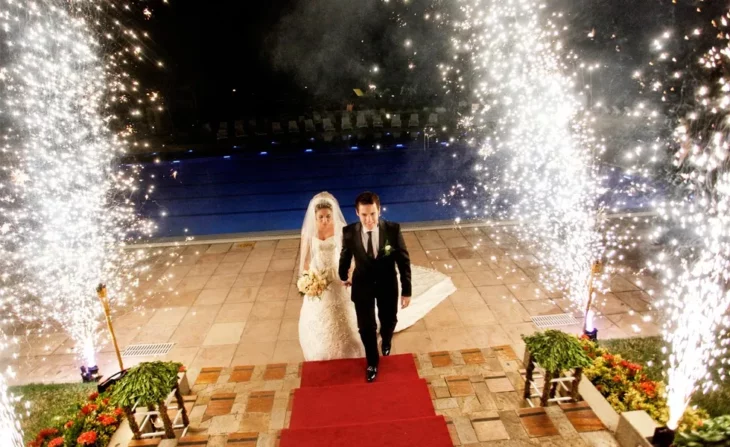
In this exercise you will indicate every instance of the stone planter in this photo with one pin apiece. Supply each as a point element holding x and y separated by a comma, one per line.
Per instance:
<point>599,404</point>
<point>630,428</point>
<point>635,428</point>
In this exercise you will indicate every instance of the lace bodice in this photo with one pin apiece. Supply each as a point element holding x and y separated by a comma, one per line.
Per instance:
<point>324,255</point>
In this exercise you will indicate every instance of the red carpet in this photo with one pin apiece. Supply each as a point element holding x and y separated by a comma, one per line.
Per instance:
<point>335,407</point>
<point>364,403</point>
<point>395,368</point>
<point>426,432</point>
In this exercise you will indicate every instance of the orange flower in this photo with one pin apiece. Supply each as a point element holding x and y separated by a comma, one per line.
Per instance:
<point>69,424</point>
<point>89,408</point>
<point>56,442</point>
<point>46,432</point>
<point>87,438</point>
<point>93,396</point>
<point>106,420</point>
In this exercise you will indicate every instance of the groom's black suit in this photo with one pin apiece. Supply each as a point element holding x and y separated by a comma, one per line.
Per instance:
<point>376,280</point>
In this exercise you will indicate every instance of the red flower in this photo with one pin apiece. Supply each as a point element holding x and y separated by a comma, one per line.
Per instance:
<point>56,442</point>
<point>118,412</point>
<point>616,378</point>
<point>89,408</point>
<point>105,401</point>
<point>33,444</point>
<point>46,432</point>
<point>93,396</point>
<point>87,438</point>
<point>106,420</point>
<point>69,424</point>
<point>649,388</point>
<point>608,357</point>
<point>182,369</point>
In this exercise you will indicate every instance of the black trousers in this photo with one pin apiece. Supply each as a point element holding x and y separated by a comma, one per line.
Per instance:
<point>388,316</point>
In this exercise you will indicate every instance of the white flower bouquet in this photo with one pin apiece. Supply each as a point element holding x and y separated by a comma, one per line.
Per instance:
<point>312,284</point>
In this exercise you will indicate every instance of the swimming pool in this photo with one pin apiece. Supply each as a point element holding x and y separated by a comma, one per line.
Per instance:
<point>254,192</point>
<point>240,193</point>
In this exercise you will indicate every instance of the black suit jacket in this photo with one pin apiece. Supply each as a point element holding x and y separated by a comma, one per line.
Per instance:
<point>376,277</point>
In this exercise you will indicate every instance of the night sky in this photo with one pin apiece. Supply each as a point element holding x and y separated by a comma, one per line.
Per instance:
<point>288,56</point>
<point>216,49</point>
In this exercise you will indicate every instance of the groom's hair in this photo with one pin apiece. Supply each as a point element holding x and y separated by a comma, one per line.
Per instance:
<point>367,198</point>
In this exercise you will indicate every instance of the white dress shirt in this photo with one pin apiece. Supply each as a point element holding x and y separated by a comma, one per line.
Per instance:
<point>375,238</point>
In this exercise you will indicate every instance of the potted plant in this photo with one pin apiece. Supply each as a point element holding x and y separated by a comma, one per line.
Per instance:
<point>148,385</point>
<point>556,352</point>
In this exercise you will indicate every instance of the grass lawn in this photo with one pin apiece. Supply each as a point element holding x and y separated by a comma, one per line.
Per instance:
<point>49,404</point>
<point>647,351</point>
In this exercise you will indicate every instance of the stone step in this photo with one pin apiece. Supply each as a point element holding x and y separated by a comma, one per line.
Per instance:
<point>196,441</point>
<point>144,442</point>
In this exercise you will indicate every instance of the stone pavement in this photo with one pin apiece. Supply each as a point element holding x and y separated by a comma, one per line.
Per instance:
<point>477,390</point>
<point>236,304</point>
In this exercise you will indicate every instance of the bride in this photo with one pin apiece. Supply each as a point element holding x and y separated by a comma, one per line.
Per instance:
<point>328,325</point>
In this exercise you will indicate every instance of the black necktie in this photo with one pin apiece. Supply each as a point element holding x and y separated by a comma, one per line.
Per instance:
<point>371,254</point>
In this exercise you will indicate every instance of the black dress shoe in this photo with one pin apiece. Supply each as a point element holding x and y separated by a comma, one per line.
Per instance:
<point>386,350</point>
<point>371,373</point>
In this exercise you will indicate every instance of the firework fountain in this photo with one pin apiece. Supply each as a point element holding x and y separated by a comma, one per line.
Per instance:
<point>10,430</point>
<point>695,268</point>
<point>67,210</point>
<point>539,151</point>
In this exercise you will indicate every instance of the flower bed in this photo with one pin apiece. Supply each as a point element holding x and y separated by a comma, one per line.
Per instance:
<point>94,422</point>
<point>626,387</point>
<point>624,384</point>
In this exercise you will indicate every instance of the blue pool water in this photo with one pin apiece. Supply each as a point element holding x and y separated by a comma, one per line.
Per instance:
<point>240,193</point>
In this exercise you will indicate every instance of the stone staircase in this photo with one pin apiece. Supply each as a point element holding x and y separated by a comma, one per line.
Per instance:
<point>478,391</point>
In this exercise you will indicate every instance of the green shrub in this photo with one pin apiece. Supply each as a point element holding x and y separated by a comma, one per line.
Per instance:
<point>556,351</point>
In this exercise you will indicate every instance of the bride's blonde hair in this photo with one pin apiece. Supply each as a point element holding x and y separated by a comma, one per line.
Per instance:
<point>323,204</point>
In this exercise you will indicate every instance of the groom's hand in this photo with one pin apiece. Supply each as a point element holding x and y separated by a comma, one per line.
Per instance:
<point>405,301</point>
<point>347,283</point>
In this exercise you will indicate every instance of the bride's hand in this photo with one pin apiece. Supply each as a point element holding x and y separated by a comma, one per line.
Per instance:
<point>405,301</point>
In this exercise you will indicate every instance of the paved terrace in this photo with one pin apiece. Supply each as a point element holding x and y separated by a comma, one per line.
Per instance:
<point>233,304</point>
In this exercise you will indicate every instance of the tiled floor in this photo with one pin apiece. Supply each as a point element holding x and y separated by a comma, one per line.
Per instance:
<point>236,304</point>
<point>477,391</point>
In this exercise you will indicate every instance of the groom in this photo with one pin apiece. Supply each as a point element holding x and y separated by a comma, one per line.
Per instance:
<point>377,246</point>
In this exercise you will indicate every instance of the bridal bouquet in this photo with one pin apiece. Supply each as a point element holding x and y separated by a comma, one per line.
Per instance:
<point>312,284</point>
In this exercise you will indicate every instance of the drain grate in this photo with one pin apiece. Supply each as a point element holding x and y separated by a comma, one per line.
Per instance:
<point>544,321</point>
<point>147,350</point>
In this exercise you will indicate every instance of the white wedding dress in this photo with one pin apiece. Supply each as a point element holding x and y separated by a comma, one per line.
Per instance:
<point>328,326</point>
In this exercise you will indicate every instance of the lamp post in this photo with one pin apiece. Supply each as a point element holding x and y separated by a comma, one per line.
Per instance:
<point>101,292</point>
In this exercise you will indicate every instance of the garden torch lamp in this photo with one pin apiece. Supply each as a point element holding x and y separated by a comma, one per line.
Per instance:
<point>104,298</point>
<point>589,329</point>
